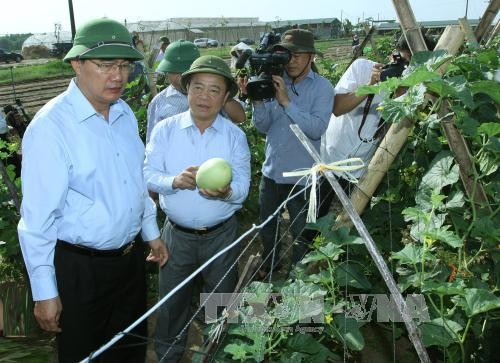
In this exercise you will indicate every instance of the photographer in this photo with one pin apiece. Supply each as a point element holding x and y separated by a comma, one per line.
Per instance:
<point>302,97</point>
<point>355,127</point>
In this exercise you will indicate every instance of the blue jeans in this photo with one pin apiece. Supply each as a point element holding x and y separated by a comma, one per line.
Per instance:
<point>271,195</point>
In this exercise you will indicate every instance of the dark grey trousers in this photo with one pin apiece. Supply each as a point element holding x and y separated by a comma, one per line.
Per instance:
<point>186,253</point>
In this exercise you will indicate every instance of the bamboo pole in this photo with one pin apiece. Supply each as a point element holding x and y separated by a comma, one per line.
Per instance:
<point>493,34</point>
<point>487,19</point>
<point>462,155</point>
<point>469,34</point>
<point>394,140</point>
<point>409,26</point>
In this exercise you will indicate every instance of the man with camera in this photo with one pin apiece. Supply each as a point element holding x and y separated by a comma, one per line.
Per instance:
<point>356,127</point>
<point>304,98</point>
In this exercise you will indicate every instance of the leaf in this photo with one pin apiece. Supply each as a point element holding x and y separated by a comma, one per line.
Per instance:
<point>442,171</point>
<point>301,302</point>
<point>258,292</point>
<point>444,288</point>
<point>404,106</point>
<point>307,344</point>
<point>435,333</point>
<point>464,121</point>
<point>410,254</point>
<point>453,87</point>
<point>414,214</point>
<point>341,237</point>
<point>418,75</point>
<point>352,276</point>
<point>323,224</point>
<point>486,229</point>
<point>329,251</point>
<point>487,87</point>
<point>455,200</point>
<point>237,351</point>
<point>477,301</point>
<point>488,163</point>
<point>443,235</point>
<point>432,60</point>
<point>490,128</point>
<point>323,277</point>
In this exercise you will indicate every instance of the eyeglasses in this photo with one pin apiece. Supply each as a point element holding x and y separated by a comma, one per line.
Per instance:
<point>108,68</point>
<point>199,89</point>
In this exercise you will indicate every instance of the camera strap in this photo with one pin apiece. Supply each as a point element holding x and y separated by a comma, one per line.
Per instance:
<point>380,126</point>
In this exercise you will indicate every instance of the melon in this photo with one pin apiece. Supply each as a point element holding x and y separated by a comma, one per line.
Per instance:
<point>214,174</point>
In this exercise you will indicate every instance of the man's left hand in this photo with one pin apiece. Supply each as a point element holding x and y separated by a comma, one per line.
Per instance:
<point>281,92</point>
<point>221,193</point>
<point>158,253</point>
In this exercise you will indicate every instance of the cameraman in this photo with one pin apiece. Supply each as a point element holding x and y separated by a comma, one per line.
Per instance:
<point>355,127</point>
<point>305,98</point>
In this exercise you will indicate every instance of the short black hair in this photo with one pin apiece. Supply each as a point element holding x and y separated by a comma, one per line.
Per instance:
<point>402,44</point>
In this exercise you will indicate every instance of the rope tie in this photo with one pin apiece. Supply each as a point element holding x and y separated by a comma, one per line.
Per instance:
<point>343,166</point>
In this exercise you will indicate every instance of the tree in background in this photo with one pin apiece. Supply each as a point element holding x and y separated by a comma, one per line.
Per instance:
<point>336,28</point>
<point>13,42</point>
<point>348,27</point>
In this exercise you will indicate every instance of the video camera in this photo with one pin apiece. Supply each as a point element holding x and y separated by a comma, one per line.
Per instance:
<point>264,63</point>
<point>395,68</point>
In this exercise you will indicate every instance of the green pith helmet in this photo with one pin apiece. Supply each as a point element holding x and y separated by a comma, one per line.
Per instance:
<point>104,39</point>
<point>214,65</point>
<point>179,56</point>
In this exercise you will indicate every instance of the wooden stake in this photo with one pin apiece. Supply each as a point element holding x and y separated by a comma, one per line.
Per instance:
<point>472,42</point>
<point>487,19</point>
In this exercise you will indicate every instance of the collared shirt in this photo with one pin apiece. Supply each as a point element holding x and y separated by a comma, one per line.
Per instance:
<point>310,110</point>
<point>168,102</point>
<point>176,144</point>
<point>341,140</point>
<point>82,182</point>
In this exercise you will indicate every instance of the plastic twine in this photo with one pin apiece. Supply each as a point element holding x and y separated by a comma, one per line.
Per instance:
<point>343,166</point>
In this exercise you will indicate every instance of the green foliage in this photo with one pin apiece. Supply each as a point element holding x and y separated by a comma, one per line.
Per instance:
<point>11,264</point>
<point>53,68</point>
<point>438,241</point>
<point>13,42</point>
<point>25,350</point>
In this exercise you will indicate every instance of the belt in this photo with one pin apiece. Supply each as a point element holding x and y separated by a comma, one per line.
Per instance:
<point>199,231</point>
<point>92,252</point>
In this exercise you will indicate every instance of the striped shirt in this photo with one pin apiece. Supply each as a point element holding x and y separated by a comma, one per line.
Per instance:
<point>168,102</point>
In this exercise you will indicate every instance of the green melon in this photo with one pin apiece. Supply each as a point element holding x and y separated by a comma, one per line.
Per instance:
<point>214,174</point>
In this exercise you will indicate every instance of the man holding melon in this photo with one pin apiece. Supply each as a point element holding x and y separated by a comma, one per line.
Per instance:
<point>199,163</point>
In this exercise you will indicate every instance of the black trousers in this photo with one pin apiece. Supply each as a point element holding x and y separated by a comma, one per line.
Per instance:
<point>100,297</point>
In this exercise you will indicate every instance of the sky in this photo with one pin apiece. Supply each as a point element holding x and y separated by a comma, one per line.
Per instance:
<point>40,16</point>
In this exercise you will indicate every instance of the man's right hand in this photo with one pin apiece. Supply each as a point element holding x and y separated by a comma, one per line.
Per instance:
<point>47,313</point>
<point>186,179</point>
<point>376,70</point>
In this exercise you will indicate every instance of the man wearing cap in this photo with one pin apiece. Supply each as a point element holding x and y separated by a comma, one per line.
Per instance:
<point>165,42</point>
<point>304,98</point>
<point>85,201</point>
<point>179,56</point>
<point>201,222</point>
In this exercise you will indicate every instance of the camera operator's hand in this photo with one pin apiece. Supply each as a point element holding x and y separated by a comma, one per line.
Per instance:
<point>376,70</point>
<point>281,91</point>
<point>242,84</point>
